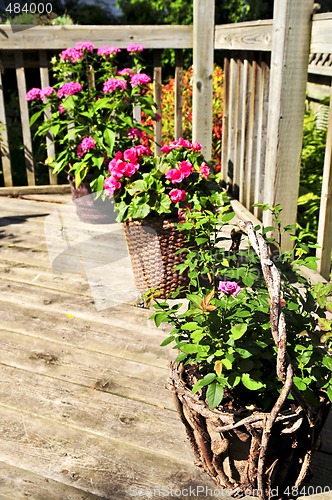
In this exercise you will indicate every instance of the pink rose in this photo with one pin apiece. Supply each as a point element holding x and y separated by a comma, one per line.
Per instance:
<point>205,170</point>
<point>229,288</point>
<point>174,175</point>
<point>186,168</point>
<point>177,195</point>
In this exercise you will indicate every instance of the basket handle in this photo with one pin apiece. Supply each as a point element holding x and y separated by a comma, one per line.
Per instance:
<point>284,367</point>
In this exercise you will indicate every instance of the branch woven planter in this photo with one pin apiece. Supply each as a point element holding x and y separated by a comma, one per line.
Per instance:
<point>256,453</point>
<point>152,244</point>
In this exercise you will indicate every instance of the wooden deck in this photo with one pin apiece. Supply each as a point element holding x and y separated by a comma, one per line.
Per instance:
<point>83,409</point>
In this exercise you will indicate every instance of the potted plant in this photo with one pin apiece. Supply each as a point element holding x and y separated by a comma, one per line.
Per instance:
<point>91,110</point>
<point>151,195</point>
<point>252,379</point>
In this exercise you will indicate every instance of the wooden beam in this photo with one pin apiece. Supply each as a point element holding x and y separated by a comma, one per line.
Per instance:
<point>254,35</point>
<point>203,44</point>
<point>288,80</point>
<point>4,144</point>
<point>26,132</point>
<point>22,190</point>
<point>157,89</point>
<point>324,238</point>
<point>60,37</point>
<point>45,81</point>
<point>178,94</point>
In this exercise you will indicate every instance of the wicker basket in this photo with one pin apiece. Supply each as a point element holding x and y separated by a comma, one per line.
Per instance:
<point>152,244</point>
<point>92,211</point>
<point>261,454</point>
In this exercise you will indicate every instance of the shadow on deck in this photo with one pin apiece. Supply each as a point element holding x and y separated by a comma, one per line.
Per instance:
<point>83,410</point>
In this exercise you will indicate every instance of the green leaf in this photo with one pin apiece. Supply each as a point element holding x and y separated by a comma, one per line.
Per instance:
<point>206,380</point>
<point>327,361</point>
<point>109,137</point>
<point>167,341</point>
<point>194,348</point>
<point>329,392</point>
<point>239,330</point>
<point>251,384</point>
<point>55,129</point>
<point>35,117</point>
<point>214,394</point>
<point>299,383</point>
<point>227,217</point>
<point>192,325</point>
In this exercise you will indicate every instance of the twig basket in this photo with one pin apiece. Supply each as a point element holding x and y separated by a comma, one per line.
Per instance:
<point>88,209</point>
<point>152,246</point>
<point>259,454</point>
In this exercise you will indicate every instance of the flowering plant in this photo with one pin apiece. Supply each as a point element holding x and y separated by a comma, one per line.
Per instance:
<point>168,185</point>
<point>223,332</point>
<point>92,109</point>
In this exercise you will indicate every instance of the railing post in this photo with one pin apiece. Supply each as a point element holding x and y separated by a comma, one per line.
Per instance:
<point>324,238</point>
<point>288,80</point>
<point>203,55</point>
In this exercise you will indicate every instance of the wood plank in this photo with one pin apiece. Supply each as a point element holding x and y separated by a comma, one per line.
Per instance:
<point>178,84</point>
<point>324,236</point>
<point>19,484</point>
<point>17,190</point>
<point>288,79</point>
<point>225,124</point>
<point>243,124</point>
<point>157,89</point>
<point>61,37</point>
<point>321,33</point>
<point>99,371</point>
<point>254,35</point>
<point>26,132</point>
<point>101,413</point>
<point>4,144</point>
<point>87,461</point>
<point>203,40</point>
<point>126,340</point>
<point>45,82</point>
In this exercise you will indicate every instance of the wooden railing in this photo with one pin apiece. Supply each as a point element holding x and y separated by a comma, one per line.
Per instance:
<point>265,76</point>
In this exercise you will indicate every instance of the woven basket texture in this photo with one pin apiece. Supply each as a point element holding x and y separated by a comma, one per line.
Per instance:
<point>87,209</point>
<point>152,244</point>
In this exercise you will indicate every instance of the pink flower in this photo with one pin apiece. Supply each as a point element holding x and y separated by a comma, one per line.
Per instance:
<point>181,143</point>
<point>177,195</point>
<point>61,108</point>
<point>229,288</point>
<point>143,150</point>
<point>157,117</point>
<point>71,54</point>
<point>181,214</point>
<point>111,185</point>
<point>134,47</point>
<point>196,146</point>
<point>113,84</point>
<point>204,170</point>
<point>46,92</point>
<point>186,168</point>
<point>174,175</point>
<point>87,46</point>
<point>139,79</point>
<point>86,144</point>
<point>33,94</point>
<point>107,50</point>
<point>69,88</point>
<point>134,133</point>
<point>130,155</point>
<point>125,71</point>
<point>131,169</point>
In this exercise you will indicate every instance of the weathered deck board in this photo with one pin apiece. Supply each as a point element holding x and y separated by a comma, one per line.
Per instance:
<point>83,409</point>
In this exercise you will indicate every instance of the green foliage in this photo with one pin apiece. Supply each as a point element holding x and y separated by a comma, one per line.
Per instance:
<point>89,123</point>
<point>312,163</point>
<point>225,329</point>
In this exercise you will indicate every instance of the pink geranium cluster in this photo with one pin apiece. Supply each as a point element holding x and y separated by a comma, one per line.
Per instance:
<point>135,47</point>
<point>177,175</point>
<point>86,144</point>
<point>107,50</point>
<point>36,94</point>
<point>72,54</point>
<point>139,79</point>
<point>69,88</point>
<point>113,84</point>
<point>124,165</point>
<point>182,143</point>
